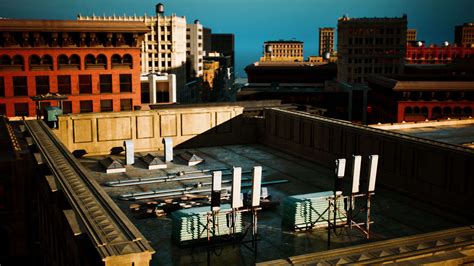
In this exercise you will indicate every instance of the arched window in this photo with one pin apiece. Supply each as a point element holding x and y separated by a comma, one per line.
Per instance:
<point>63,60</point>
<point>18,60</point>
<point>35,60</point>
<point>436,112</point>
<point>457,110</point>
<point>5,60</point>
<point>127,59</point>
<point>467,111</point>
<point>447,110</point>
<point>101,59</point>
<point>46,60</point>
<point>424,110</point>
<point>116,59</point>
<point>416,110</point>
<point>408,110</point>
<point>74,61</point>
<point>90,60</point>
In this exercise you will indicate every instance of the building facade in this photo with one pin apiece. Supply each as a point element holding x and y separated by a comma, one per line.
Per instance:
<point>464,35</point>
<point>411,35</point>
<point>417,98</point>
<point>368,46</point>
<point>163,49</point>
<point>95,64</point>
<point>281,51</point>
<point>434,54</point>
<point>195,48</point>
<point>326,41</point>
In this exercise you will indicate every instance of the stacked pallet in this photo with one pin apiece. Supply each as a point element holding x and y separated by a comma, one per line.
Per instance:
<point>191,224</point>
<point>307,211</point>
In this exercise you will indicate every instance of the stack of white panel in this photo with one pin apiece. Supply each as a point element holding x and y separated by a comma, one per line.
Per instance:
<point>309,210</point>
<point>190,224</point>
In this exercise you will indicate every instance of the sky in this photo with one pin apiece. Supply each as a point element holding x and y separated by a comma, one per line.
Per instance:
<point>255,21</point>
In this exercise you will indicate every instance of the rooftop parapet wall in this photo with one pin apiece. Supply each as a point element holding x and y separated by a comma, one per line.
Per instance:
<point>438,173</point>
<point>99,133</point>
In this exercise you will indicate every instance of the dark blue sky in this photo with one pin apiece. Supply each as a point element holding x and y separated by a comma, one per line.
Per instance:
<point>255,21</point>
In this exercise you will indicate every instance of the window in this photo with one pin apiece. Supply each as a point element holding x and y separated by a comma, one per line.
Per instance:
<point>85,106</point>
<point>106,105</point>
<point>2,87</point>
<point>105,84</point>
<point>67,107</point>
<point>64,84</point>
<point>42,85</point>
<point>125,83</point>
<point>20,86</point>
<point>85,84</point>
<point>125,104</point>
<point>3,109</point>
<point>21,109</point>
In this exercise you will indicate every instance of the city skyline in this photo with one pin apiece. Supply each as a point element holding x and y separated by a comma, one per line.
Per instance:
<point>253,23</point>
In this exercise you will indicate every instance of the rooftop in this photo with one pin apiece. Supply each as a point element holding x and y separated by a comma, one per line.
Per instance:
<point>284,41</point>
<point>395,215</point>
<point>71,26</point>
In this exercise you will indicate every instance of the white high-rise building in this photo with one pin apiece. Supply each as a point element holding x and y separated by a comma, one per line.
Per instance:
<point>194,47</point>
<point>163,50</point>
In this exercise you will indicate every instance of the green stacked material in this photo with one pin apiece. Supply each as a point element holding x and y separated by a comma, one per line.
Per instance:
<point>301,212</point>
<point>190,224</point>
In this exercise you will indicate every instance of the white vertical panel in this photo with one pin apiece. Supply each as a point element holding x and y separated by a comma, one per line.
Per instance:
<point>357,159</point>
<point>340,167</point>
<point>168,149</point>
<point>216,181</point>
<point>374,160</point>
<point>236,184</point>
<point>256,185</point>
<point>129,152</point>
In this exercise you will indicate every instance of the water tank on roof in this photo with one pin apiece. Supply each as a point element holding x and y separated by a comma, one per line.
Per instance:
<point>197,21</point>
<point>160,9</point>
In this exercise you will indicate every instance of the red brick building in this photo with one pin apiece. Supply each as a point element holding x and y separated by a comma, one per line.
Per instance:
<point>95,64</point>
<point>419,97</point>
<point>434,54</point>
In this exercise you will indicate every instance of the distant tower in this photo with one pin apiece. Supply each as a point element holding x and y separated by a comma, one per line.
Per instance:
<point>326,41</point>
<point>160,9</point>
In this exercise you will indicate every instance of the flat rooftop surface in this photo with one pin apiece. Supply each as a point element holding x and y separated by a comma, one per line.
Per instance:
<point>394,215</point>
<point>452,134</point>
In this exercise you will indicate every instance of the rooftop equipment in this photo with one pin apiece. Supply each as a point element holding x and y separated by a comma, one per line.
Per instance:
<point>168,142</point>
<point>191,158</point>
<point>112,166</point>
<point>153,162</point>
<point>190,225</point>
<point>308,211</point>
<point>129,152</point>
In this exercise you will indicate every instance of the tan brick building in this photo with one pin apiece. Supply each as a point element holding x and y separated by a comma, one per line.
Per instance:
<point>291,51</point>
<point>326,41</point>
<point>464,35</point>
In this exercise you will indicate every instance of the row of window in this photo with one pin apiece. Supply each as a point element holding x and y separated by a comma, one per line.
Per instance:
<point>467,111</point>
<point>43,85</point>
<point>36,62</point>
<point>22,109</point>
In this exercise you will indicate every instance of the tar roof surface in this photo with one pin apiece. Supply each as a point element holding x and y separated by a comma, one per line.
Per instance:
<point>395,215</point>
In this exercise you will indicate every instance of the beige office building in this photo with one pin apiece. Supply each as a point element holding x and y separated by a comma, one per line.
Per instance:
<point>411,35</point>
<point>194,47</point>
<point>281,51</point>
<point>370,46</point>
<point>464,35</point>
<point>163,50</point>
<point>326,41</point>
